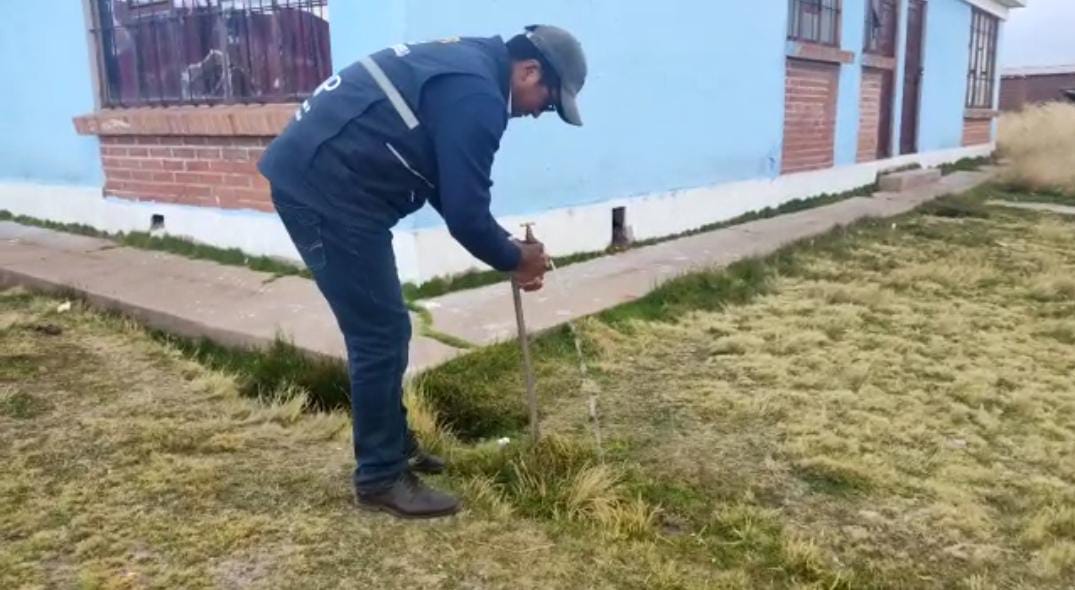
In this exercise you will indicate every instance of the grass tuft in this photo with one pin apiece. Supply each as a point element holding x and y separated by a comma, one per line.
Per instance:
<point>560,480</point>
<point>832,476</point>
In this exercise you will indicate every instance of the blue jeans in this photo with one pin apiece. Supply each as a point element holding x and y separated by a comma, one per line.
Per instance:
<point>354,266</point>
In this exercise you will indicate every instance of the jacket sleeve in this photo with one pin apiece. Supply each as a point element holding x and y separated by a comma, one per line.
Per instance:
<point>466,130</point>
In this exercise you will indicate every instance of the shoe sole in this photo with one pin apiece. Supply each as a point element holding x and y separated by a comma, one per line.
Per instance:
<point>404,515</point>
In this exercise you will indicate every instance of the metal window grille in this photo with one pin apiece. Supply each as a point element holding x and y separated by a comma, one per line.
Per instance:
<point>815,21</point>
<point>173,52</point>
<point>981,78</point>
<point>881,21</point>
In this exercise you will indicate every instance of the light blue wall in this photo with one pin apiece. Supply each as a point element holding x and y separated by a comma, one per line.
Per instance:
<point>679,96</point>
<point>45,68</point>
<point>944,84</point>
<point>853,37</point>
<point>361,27</point>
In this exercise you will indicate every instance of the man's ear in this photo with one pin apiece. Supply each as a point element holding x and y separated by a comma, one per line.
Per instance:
<point>532,70</point>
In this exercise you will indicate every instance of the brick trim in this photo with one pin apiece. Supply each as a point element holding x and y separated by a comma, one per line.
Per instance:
<point>232,121</point>
<point>202,156</point>
<point>207,171</point>
<point>879,62</point>
<point>980,114</point>
<point>818,52</point>
<point>977,132</point>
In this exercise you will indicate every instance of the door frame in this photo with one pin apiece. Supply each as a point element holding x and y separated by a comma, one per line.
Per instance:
<point>909,145</point>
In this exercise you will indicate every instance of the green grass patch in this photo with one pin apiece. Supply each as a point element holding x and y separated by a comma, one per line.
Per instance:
<point>480,395</point>
<point>23,406</point>
<point>956,207</point>
<point>265,373</point>
<point>425,328</point>
<point>683,505</point>
<point>16,366</point>
<point>230,256</point>
<point>480,278</point>
<point>966,165</point>
<point>1054,197</point>
<point>736,284</point>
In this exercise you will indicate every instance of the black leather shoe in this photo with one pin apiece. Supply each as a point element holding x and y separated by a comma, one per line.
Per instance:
<point>423,462</point>
<point>408,497</point>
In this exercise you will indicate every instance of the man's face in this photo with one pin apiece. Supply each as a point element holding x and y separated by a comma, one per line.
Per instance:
<point>529,94</point>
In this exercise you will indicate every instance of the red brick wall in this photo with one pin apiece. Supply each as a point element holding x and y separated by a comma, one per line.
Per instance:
<point>208,171</point>
<point>810,115</point>
<point>977,131</point>
<point>1018,91</point>
<point>870,114</point>
<point>190,155</point>
<point>1012,93</point>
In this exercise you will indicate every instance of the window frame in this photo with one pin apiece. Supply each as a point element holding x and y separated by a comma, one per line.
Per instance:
<point>147,55</point>
<point>885,42</point>
<point>828,12</point>
<point>982,67</point>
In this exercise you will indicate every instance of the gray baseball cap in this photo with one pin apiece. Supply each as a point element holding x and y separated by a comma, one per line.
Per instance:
<point>564,53</point>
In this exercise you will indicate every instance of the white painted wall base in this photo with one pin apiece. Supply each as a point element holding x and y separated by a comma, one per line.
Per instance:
<point>427,253</point>
<point>253,232</point>
<point>589,228</point>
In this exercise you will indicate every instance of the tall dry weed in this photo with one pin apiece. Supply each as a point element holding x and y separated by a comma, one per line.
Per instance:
<point>1039,142</point>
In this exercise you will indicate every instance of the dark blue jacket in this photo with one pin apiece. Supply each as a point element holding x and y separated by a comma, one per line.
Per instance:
<point>359,158</point>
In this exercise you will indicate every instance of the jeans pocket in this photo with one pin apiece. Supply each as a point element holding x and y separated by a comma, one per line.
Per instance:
<point>304,226</point>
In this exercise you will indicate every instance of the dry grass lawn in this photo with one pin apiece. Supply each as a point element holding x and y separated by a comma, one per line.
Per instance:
<point>898,411</point>
<point>122,465</point>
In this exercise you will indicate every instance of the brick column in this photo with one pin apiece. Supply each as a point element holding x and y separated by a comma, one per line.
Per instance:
<point>978,126</point>
<point>810,115</point>
<point>869,143</point>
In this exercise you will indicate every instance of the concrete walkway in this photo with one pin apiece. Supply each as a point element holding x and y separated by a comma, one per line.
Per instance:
<point>237,306</point>
<point>229,304</point>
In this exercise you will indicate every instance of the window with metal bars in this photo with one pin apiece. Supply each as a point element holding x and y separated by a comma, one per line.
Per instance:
<point>981,78</point>
<point>174,52</point>
<point>814,21</point>
<point>881,22</point>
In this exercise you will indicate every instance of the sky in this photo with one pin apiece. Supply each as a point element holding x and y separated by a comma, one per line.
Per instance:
<point>1042,34</point>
